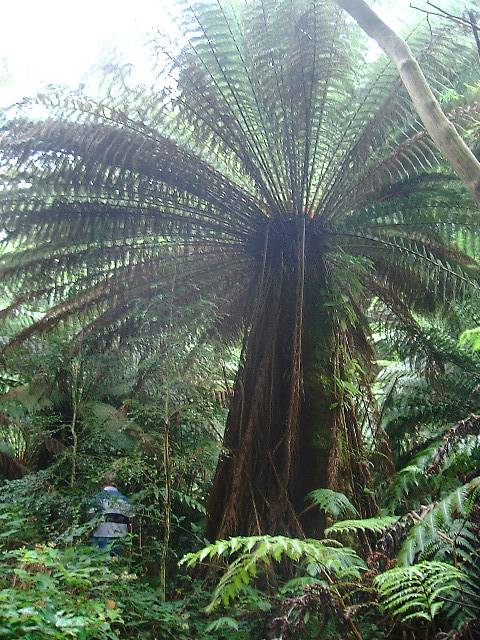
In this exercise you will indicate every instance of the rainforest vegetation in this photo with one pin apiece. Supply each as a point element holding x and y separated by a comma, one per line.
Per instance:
<point>247,291</point>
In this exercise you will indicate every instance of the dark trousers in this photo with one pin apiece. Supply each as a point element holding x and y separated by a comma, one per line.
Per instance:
<point>111,545</point>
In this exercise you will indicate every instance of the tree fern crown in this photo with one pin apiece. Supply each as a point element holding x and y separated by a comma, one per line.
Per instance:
<point>268,133</point>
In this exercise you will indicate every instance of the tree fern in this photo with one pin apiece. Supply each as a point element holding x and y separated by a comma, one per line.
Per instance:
<point>267,175</point>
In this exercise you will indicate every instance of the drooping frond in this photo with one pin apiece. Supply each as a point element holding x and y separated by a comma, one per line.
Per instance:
<point>247,555</point>
<point>261,117</point>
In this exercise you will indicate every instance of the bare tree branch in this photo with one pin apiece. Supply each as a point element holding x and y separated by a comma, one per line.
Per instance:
<point>471,23</point>
<point>440,129</point>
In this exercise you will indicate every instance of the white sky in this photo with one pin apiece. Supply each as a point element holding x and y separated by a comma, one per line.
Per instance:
<point>57,41</point>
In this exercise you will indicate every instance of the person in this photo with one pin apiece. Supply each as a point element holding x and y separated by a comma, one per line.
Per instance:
<point>116,516</point>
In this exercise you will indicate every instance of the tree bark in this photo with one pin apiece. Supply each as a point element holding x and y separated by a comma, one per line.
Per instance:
<point>287,431</point>
<point>440,129</point>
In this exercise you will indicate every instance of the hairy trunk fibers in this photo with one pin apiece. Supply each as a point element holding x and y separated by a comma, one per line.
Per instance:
<point>73,431</point>
<point>167,465</point>
<point>76,393</point>
<point>289,430</point>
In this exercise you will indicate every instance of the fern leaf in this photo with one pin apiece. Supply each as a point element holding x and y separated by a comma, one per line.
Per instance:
<point>255,553</point>
<point>375,525</point>
<point>334,503</point>
<point>417,592</point>
<point>438,521</point>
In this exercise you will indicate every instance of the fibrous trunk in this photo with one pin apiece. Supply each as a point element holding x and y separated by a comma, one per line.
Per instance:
<point>289,429</point>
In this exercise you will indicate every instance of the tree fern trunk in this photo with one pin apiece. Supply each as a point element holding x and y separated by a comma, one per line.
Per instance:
<point>287,432</point>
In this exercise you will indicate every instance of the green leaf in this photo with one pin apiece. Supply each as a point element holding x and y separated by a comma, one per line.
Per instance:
<point>334,503</point>
<point>376,525</point>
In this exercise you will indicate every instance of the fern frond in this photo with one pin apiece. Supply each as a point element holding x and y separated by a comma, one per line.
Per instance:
<point>335,504</point>
<point>255,553</point>
<point>437,521</point>
<point>375,525</point>
<point>418,592</point>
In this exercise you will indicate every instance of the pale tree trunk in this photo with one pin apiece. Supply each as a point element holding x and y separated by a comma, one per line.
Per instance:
<point>440,129</point>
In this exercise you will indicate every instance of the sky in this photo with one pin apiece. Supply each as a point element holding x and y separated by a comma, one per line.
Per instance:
<point>57,41</point>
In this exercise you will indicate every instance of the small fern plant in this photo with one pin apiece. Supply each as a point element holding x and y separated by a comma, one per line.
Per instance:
<point>247,556</point>
<point>419,592</point>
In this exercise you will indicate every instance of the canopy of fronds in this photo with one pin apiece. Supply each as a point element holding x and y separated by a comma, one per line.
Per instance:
<point>268,124</point>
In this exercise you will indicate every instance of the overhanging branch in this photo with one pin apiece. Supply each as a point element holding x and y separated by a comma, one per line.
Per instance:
<point>440,129</point>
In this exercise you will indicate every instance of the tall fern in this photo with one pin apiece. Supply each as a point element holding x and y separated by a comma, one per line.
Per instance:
<point>274,173</point>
